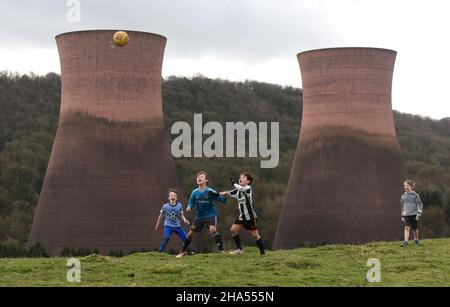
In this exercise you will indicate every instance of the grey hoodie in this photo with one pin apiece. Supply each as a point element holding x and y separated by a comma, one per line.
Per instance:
<point>411,204</point>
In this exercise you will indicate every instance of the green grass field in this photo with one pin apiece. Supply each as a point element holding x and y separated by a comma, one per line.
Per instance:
<point>332,265</point>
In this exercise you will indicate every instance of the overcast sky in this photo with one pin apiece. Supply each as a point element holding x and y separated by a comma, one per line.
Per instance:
<point>251,39</point>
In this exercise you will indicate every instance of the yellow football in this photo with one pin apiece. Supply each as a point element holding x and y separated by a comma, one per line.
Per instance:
<point>120,38</point>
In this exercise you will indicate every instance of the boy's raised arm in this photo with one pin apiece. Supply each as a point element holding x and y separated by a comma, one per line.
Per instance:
<point>231,193</point>
<point>217,196</point>
<point>220,198</point>
<point>241,188</point>
<point>228,193</point>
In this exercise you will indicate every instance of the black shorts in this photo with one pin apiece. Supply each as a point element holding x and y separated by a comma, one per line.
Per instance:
<point>198,225</point>
<point>249,225</point>
<point>411,222</point>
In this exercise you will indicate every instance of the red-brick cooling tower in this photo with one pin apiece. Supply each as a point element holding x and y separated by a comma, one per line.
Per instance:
<point>111,165</point>
<point>347,173</point>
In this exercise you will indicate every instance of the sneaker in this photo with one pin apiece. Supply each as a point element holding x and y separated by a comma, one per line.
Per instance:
<point>404,244</point>
<point>237,252</point>
<point>417,242</point>
<point>182,254</point>
<point>262,253</point>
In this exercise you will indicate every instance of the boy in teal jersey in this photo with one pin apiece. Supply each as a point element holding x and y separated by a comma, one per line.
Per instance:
<point>202,199</point>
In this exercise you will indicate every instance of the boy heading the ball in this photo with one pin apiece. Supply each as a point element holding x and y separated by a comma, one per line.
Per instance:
<point>202,200</point>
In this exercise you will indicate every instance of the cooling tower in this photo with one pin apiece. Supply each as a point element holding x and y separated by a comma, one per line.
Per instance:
<point>111,165</point>
<point>347,173</point>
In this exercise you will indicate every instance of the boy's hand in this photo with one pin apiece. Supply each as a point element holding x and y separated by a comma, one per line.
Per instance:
<point>403,219</point>
<point>232,181</point>
<point>187,222</point>
<point>188,209</point>
<point>156,228</point>
<point>223,193</point>
<point>418,216</point>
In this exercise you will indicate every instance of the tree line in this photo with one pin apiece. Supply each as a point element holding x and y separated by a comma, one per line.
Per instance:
<point>29,109</point>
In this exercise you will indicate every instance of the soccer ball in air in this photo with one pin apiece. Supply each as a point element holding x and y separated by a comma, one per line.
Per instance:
<point>120,38</point>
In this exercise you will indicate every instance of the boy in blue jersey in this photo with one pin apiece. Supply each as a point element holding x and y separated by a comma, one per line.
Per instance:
<point>173,212</point>
<point>202,199</point>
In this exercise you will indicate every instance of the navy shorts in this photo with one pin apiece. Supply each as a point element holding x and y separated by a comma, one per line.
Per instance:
<point>199,224</point>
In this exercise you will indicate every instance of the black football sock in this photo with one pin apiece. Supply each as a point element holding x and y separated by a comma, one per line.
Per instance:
<point>218,240</point>
<point>260,244</point>
<point>186,243</point>
<point>237,240</point>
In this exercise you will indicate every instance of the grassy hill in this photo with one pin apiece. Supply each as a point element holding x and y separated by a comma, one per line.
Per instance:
<point>332,265</point>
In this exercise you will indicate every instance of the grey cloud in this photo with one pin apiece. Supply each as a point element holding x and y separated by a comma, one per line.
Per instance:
<point>250,30</point>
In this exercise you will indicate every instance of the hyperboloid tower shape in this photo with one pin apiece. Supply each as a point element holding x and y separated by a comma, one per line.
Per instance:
<point>110,165</point>
<point>346,177</point>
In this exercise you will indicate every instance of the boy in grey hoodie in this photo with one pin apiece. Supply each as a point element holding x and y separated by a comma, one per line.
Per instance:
<point>412,208</point>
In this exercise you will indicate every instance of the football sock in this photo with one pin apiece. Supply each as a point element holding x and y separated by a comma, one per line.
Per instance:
<point>237,240</point>
<point>186,243</point>
<point>260,244</point>
<point>218,240</point>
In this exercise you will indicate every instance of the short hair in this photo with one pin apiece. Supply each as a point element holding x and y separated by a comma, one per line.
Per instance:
<point>411,182</point>
<point>248,176</point>
<point>172,191</point>
<point>203,173</point>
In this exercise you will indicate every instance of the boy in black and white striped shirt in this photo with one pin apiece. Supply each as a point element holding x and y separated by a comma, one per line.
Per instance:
<point>247,215</point>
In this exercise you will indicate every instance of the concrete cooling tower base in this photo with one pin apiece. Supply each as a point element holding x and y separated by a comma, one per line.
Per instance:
<point>105,180</point>
<point>343,169</point>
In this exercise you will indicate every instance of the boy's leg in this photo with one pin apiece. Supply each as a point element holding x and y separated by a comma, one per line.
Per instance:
<point>407,229</point>
<point>235,235</point>
<point>187,241</point>
<point>167,234</point>
<point>195,227</point>
<point>417,234</point>
<point>257,237</point>
<point>216,236</point>
<point>415,229</point>
<point>181,233</point>
<point>406,236</point>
